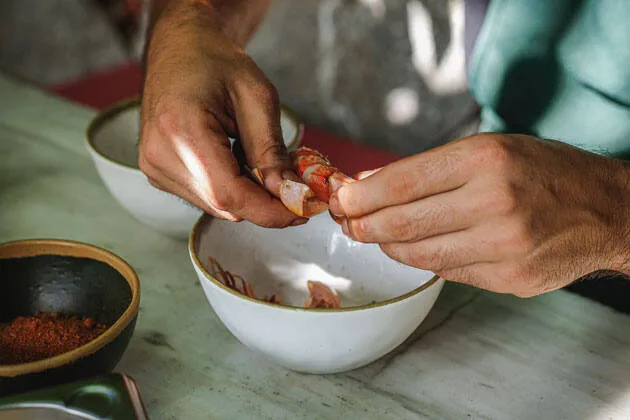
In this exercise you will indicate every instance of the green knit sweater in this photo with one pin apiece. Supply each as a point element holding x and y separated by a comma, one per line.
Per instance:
<point>557,69</point>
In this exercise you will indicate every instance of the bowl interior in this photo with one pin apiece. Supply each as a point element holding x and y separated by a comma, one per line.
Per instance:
<point>115,133</point>
<point>52,275</point>
<point>281,261</point>
<point>62,283</point>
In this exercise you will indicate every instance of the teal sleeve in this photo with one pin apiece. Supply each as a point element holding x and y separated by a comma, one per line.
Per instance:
<point>556,69</point>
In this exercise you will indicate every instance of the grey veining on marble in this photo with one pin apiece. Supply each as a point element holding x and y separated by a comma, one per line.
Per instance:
<point>478,355</point>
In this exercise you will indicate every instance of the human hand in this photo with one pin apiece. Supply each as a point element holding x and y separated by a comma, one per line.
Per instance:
<point>506,213</point>
<point>201,88</point>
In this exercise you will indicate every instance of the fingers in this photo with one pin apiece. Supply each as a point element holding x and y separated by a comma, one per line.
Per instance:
<point>159,178</point>
<point>500,240</point>
<point>168,185</point>
<point>228,190</point>
<point>418,220</point>
<point>457,257</point>
<point>483,257</point>
<point>441,252</point>
<point>477,275</point>
<point>498,278</point>
<point>193,99</point>
<point>433,172</point>
<point>439,214</point>
<point>191,157</point>
<point>257,110</point>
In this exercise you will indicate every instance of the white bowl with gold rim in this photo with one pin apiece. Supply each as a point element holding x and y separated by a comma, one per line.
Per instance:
<point>112,141</point>
<point>383,301</point>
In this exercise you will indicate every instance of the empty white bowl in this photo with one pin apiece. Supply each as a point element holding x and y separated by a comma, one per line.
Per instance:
<point>383,301</point>
<point>112,140</point>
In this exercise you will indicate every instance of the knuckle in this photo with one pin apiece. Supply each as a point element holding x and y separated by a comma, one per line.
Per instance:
<point>515,276</point>
<point>164,128</point>
<point>179,118</point>
<point>144,166</point>
<point>436,259</point>
<point>401,228</point>
<point>358,229</point>
<point>394,251</point>
<point>167,124</point>
<point>147,163</point>
<point>149,156</point>
<point>156,184</point>
<point>405,184</point>
<point>350,200</point>
<point>519,239</point>
<point>420,256</point>
<point>257,86</point>
<point>493,150</point>
<point>274,149</point>
<point>505,200</point>
<point>265,93</point>
<point>222,201</point>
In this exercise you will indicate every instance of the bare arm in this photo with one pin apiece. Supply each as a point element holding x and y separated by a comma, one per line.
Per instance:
<point>239,19</point>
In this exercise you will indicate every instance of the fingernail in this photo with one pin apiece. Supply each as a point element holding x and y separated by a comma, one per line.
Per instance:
<point>337,219</point>
<point>299,222</point>
<point>364,174</point>
<point>345,228</point>
<point>259,176</point>
<point>363,226</point>
<point>334,206</point>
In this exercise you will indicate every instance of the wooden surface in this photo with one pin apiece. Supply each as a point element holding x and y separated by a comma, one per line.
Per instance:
<point>478,355</point>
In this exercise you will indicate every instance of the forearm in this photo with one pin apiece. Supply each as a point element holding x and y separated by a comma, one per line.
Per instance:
<point>624,248</point>
<point>238,19</point>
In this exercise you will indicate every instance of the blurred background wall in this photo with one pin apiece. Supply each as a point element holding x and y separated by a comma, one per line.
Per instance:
<point>56,41</point>
<point>390,73</point>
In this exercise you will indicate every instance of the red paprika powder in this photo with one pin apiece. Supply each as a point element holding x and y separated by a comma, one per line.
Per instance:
<point>30,338</point>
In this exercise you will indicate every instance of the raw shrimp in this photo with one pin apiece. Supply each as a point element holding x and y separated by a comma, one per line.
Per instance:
<point>320,295</point>
<point>320,178</point>
<point>236,282</point>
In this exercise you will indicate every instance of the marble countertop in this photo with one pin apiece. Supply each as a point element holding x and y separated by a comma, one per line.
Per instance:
<point>477,355</point>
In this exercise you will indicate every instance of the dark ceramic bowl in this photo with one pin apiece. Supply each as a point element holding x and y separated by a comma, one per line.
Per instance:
<point>71,278</point>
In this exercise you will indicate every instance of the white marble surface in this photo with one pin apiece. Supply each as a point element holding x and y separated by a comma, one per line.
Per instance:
<point>478,355</point>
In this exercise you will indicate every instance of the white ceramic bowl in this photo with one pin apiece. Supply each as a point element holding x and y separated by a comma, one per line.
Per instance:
<point>112,140</point>
<point>383,301</point>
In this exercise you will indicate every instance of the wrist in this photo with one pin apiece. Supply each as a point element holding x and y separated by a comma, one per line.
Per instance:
<point>178,27</point>
<point>240,19</point>
<point>236,19</point>
<point>623,248</point>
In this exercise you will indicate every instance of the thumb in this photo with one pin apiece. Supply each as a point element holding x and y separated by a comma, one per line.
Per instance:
<point>257,112</point>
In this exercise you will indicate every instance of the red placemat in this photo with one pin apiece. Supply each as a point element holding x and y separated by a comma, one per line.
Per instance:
<point>348,156</point>
<point>102,89</point>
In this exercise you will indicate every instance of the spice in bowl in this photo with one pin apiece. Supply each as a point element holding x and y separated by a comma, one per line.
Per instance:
<point>31,338</point>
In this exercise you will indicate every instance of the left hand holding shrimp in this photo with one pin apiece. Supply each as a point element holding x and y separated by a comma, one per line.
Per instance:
<point>506,213</point>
